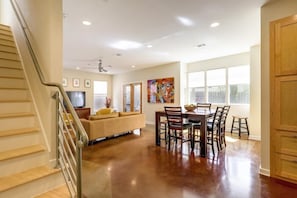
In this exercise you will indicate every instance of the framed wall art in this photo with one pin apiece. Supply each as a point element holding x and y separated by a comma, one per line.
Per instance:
<point>75,82</point>
<point>160,90</point>
<point>87,83</point>
<point>64,82</point>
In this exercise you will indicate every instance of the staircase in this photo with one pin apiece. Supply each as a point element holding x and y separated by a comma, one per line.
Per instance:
<point>24,158</point>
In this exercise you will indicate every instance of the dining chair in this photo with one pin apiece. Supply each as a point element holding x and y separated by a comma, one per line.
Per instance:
<point>178,127</point>
<point>200,106</point>
<point>203,106</point>
<point>197,123</point>
<point>223,125</point>
<point>163,130</point>
<point>213,129</point>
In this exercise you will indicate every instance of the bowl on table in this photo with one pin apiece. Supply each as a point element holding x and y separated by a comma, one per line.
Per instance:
<point>190,107</point>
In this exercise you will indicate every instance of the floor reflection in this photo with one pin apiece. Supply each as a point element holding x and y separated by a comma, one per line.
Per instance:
<point>132,166</point>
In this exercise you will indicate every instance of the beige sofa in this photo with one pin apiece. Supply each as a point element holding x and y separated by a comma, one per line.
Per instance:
<point>101,126</point>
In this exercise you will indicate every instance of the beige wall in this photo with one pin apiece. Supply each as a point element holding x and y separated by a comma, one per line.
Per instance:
<point>46,37</point>
<point>255,91</point>
<point>1,11</point>
<point>82,76</point>
<point>162,71</point>
<point>4,11</point>
<point>252,111</point>
<point>271,11</point>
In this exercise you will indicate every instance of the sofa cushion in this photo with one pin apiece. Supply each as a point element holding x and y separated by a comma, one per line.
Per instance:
<point>129,113</point>
<point>104,111</point>
<point>104,116</point>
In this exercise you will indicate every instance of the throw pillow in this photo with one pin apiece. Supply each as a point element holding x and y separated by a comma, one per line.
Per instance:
<point>67,117</point>
<point>129,113</point>
<point>104,116</point>
<point>104,111</point>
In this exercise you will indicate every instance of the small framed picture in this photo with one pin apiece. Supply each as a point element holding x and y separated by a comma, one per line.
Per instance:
<point>87,83</point>
<point>75,82</point>
<point>64,82</point>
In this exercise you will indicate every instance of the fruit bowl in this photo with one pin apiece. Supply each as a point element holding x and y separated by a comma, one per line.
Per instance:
<point>190,107</point>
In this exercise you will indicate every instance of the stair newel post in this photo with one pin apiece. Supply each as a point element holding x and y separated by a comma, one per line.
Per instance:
<point>56,97</point>
<point>79,146</point>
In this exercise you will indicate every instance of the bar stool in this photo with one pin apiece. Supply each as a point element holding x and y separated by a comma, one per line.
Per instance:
<point>241,124</point>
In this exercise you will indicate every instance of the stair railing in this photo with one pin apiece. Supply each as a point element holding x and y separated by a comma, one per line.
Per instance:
<point>71,136</point>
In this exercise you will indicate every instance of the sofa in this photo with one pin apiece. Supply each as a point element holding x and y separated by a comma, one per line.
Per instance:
<point>110,124</point>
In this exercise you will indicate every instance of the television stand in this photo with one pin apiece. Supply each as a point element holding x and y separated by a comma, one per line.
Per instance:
<point>83,112</point>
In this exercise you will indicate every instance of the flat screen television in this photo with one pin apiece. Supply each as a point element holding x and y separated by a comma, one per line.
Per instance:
<point>77,98</point>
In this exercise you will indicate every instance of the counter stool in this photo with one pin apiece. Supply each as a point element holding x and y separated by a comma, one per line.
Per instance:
<point>241,123</point>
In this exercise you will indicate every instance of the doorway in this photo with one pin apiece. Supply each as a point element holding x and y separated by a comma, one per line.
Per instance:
<point>132,100</point>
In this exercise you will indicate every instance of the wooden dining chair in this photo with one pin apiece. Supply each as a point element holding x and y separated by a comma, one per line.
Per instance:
<point>203,106</point>
<point>197,123</point>
<point>223,125</point>
<point>163,130</point>
<point>213,129</point>
<point>178,127</point>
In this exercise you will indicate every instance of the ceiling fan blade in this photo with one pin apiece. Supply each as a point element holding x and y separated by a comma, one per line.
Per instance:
<point>101,69</point>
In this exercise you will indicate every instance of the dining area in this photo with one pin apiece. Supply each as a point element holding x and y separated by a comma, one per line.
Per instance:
<point>198,125</point>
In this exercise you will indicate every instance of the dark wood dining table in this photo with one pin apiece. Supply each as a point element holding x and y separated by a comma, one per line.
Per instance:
<point>201,115</point>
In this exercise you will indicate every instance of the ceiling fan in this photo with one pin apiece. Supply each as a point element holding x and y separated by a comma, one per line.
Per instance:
<point>100,67</point>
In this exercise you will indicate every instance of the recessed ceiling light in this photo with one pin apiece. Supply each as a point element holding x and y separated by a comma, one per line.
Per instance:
<point>133,66</point>
<point>124,45</point>
<point>215,24</point>
<point>185,21</point>
<point>77,68</point>
<point>149,46</point>
<point>87,23</point>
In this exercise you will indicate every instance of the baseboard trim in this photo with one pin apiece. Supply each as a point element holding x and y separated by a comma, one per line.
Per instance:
<point>265,172</point>
<point>255,137</point>
<point>150,123</point>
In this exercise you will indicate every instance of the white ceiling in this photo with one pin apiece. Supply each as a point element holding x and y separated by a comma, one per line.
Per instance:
<point>155,22</point>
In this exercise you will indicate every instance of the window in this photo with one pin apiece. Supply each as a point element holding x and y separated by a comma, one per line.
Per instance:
<point>100,94</point>
<point>239,84</point>
<point>227,85</point>
<point>216,85</point>
<point>196,87</point>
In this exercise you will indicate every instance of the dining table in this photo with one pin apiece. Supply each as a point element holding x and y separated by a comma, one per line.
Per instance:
<point>201,115</point>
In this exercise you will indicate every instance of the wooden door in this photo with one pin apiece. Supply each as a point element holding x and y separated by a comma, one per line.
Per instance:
<point>283,93</point>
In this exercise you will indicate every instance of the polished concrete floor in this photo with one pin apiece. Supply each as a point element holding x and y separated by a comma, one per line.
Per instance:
<point>132,166</point>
